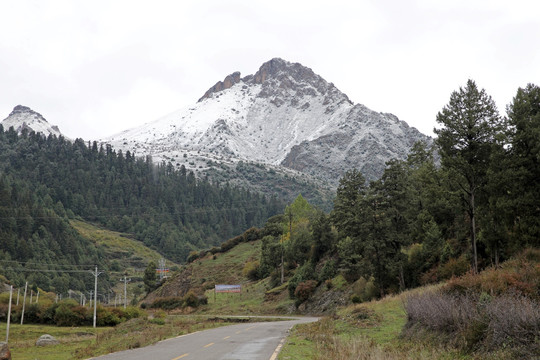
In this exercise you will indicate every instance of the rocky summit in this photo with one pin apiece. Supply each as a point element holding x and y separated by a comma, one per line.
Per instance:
<point>285,117</point>
<point>22,117</point>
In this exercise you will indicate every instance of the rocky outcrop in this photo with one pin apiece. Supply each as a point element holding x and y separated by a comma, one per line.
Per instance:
<point>20,109</point>
<point>229,81</point>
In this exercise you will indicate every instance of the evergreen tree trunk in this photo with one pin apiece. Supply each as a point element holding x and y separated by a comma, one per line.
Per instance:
<point>401,278</point>
<point>473,235</point>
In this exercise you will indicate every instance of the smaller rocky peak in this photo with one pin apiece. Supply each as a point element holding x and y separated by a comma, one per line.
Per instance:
<point>271,69</point>
<point>24,118</point>
<point>285,71</point>
<point>20,109</point>
<point>227,83</point>
<point>281,79</point>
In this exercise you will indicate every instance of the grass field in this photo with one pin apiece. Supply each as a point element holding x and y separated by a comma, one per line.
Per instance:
<point>364,331</point>
<point>118,246</point>
<point>22,341</point>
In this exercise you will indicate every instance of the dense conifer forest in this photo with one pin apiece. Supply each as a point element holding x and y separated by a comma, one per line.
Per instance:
<point>46,181</point>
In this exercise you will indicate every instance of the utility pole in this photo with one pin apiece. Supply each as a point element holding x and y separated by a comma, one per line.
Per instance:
<point>283,245</point>
<point>24,302</point>
<point>282,270</point>
<point>126,280</point>
<point>96,274</point>
<point>9,313</point>
<point>18,293</point>
<point>37,296</point>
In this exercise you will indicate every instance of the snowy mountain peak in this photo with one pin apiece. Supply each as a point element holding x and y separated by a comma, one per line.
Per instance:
<point>22,117</point>
<point>276,67</point>
<point>284,115</point>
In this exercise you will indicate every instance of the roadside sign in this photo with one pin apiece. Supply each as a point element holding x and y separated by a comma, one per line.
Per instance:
<point>228,288</point>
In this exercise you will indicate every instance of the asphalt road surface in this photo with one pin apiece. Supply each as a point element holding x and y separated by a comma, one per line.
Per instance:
<point>248,341</point>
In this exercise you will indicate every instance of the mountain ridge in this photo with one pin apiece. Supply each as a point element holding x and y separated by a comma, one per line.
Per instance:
<point>284,115</point>
<point>283,130</point>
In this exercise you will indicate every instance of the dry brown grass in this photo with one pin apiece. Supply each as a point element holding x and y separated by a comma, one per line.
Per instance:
<point>479,323</point>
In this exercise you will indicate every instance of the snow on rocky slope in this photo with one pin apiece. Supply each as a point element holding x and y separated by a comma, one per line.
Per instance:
<point>284,116</point>
<point>23,117</point>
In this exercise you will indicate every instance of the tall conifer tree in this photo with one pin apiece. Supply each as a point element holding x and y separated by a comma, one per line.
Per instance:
<point>470,128</point>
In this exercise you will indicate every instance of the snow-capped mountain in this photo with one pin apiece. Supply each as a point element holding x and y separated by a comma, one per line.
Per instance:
<point>23,117</point>
<point>284,116</point>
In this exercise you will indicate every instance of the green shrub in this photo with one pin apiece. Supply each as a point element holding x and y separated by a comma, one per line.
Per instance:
<point>190,299</point>
<point>132,312</point>
<point>339,282</point>
<point>365,289</point>
<point>168,303</point>
<point>158,321</point>
<point>251,270</point>
<point>252,234</point>
<point>328,271</point>
<point>66,316</point>
<point>107,317</point>
<point>4,298</point>
<point>32,313</point>
<point>193,255</point>
<point>304,273</point>
<point>454,267</point>
<point>215,250</point>
<point>48,315</point>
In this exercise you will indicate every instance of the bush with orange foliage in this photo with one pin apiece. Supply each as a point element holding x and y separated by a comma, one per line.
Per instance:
<point>521,275</point>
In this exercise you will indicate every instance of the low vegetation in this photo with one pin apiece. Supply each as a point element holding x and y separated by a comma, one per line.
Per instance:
<point>85,342</point>
<point>499,309</point>
<point>493,315</point>
<point>67,313</point>
<point>368,331</point>
<point>175,302</point>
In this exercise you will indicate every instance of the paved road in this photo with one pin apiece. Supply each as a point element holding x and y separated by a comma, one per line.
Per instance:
<point>248,341</point>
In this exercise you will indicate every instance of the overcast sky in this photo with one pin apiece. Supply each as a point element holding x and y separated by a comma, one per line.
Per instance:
<point>96,67</point>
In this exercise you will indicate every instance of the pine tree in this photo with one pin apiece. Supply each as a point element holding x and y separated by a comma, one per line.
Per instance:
<point>524,119</point>
<point>470,128</point>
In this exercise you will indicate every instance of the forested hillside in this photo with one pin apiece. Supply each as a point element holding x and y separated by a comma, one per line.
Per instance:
<point>34,230</point>
<point>45,181</point>
<point>421,223</point>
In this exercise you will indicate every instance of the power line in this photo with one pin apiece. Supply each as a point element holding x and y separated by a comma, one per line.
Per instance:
<point>49,271</point>
<point>44,264</point>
